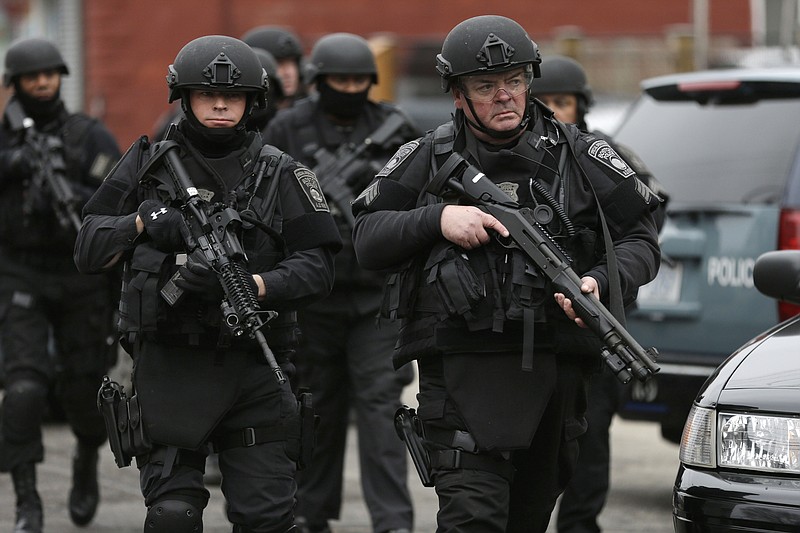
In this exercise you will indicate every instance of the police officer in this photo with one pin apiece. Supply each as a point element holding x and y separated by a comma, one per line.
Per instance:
<point>40,289</point>
<point>345,359</point>
<point>194,381</point>
<point>261,117</point>
<point>502,357</point>
<point>285,47</point>
<point>564,88</point>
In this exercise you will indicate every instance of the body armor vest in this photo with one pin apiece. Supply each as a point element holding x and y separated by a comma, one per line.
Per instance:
<point>142,309</point>
<point>455,295</point>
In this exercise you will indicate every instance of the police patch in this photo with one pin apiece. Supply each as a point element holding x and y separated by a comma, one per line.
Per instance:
<point>402,153</point>
<point>601,151</point>
<point>308,182</point>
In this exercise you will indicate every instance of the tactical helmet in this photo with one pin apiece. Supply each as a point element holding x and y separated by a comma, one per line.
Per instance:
<point>219,63</point>
<point>279,42</point>
<point>562,74</point>
<point>32,55</point>
<point>487,43</point>
<point>271,67</point>
<point>341,53</point>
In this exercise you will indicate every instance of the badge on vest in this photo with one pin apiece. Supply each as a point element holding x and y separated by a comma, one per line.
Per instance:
<point>510,189</point>
<point>308,182</point>
<point>601,151</point>
<point>401,155</point>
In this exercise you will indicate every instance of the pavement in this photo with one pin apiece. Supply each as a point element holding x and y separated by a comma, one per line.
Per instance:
<point>644,467</point>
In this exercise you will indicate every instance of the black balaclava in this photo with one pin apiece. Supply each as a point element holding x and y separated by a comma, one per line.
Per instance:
<point>214,142</point>
<point>41,111</point>
<point>342,105</point>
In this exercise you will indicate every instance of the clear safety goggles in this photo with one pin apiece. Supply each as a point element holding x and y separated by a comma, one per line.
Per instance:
<point>484,87</point>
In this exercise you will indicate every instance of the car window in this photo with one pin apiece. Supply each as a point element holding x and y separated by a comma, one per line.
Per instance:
<point>716,153</point>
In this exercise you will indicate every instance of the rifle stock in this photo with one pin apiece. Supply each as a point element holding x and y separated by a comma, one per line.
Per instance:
<point>620,351</point>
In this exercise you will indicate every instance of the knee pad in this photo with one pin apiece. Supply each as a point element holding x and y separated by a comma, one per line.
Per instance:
<point>23,406</point>
<point>173,516</point>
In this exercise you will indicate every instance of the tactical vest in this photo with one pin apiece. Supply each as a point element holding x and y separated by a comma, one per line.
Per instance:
<point>453,298</point>
<point>144,312</point>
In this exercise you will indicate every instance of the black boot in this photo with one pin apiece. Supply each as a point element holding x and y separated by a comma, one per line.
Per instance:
<point>85,494</point>
<point>29,505</point>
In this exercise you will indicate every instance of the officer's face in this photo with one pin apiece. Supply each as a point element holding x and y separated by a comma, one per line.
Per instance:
<point>218,109</point>
<point>289,75</point>
<point>498,100</point>
<point>42,85</point>
<point>564,105</point>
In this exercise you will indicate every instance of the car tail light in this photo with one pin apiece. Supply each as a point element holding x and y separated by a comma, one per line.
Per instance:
<point>788,239</point>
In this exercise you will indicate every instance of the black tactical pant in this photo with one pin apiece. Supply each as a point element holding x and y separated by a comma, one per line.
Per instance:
<point>481,501</point>
<point>258,481</point>
<point>585,496</point>
<point>75,311</point>
<point>348,366</point>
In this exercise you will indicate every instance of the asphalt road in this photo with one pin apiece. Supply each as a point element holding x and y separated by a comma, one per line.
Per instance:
<point>644,467</point>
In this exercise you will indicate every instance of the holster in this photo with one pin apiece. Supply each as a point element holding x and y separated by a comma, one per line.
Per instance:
<point>411,431</point>
<point>308,426</point>
<point>123,420</point>
<point>109,398</point>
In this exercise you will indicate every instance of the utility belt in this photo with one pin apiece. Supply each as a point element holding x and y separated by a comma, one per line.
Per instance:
<point>127,437</point>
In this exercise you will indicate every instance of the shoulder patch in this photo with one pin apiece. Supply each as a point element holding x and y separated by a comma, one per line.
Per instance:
<point>369,194</point>
<point>602,152</point>
<point>402,153</point>
<point>310,185</point>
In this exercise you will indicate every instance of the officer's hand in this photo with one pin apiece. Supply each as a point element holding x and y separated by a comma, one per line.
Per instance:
<point>163,224</point>
<point>17,163</point>
<point>588,285</point>
<point>200,279</point>
<point>466,226</point>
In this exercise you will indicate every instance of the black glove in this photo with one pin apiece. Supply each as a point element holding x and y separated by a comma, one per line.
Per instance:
<point>17,163</point>
<point>163,224</point>
<point>201,279</point>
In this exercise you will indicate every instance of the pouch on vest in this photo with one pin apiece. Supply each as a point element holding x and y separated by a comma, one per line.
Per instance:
<point>449,271</point>
<point>524,286</point>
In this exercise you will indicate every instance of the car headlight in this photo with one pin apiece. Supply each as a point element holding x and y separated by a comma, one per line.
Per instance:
<point>697,441</point>
<point>759,442</point>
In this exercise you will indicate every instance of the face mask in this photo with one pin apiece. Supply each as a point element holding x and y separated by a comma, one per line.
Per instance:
<point>338,104</point>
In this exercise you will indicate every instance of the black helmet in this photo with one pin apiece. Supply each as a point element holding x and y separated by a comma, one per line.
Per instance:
<point>279,42</point>
<point>271,67</point>
<point>32,55</point>
<point>488,43</point>
<point>219,63</point>
<point>341,53</point>
<point>562,74</point>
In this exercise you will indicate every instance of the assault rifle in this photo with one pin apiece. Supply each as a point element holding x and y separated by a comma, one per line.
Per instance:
<point>211,232</point>
<point>620,351</point>
<point>50,173</point>
<point>336,171</point>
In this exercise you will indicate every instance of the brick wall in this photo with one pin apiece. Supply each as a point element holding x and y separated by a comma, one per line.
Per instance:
<point>130,44</point>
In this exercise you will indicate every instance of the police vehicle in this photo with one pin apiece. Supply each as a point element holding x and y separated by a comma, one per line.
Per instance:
<point>740,453</point>
<point>724,144</point>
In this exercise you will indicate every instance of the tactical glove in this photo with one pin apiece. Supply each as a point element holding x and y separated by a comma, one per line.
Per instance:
<point>200,279</point>
<point>163,224</point>
<point>17,163</point>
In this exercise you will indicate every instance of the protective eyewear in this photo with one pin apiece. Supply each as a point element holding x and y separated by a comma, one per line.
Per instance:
<point>484,88</point>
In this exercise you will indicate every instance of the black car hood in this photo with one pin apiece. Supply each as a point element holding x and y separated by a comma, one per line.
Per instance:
<point>764,375</point>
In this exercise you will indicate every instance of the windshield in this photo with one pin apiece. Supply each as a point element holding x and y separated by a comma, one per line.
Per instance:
<point>712,153</point>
